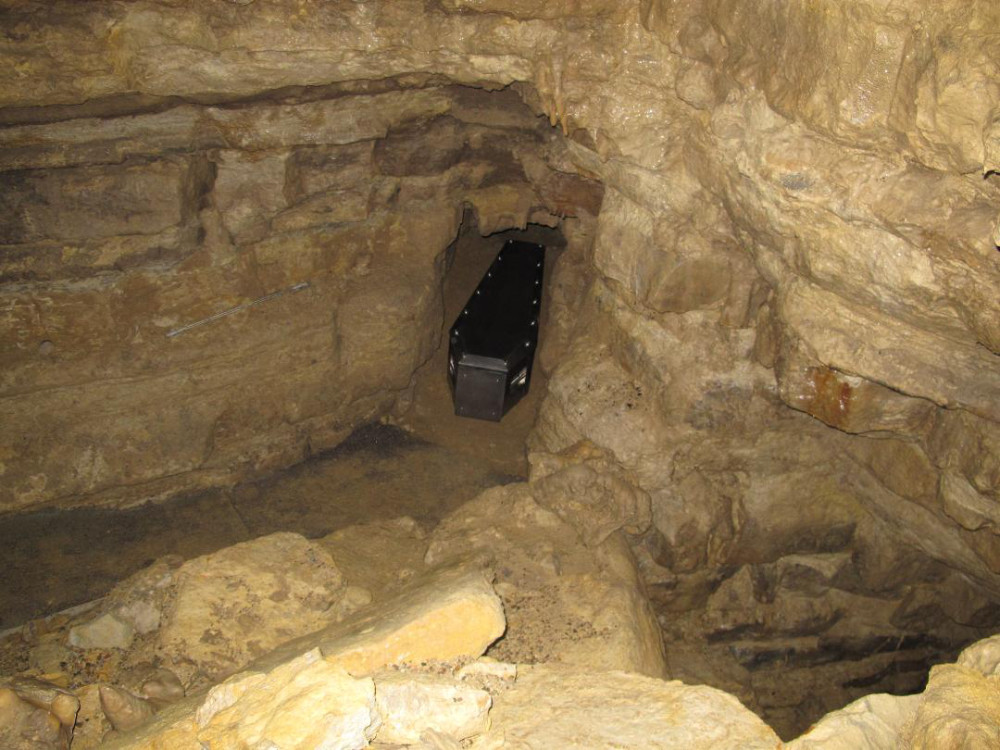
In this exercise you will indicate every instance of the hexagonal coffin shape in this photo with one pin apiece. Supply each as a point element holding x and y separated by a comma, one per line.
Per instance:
<point>492,342</point>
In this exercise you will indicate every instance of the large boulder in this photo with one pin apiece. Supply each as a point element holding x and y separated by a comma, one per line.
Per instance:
<point>210,616</point>
<point>959,709</point>
<point>568,707</point>
<point>565,601</point>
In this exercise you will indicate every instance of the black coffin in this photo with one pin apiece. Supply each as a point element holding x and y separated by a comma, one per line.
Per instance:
<point>493,340</point>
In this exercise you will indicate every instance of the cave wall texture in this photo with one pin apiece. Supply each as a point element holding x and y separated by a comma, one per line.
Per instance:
<point>119,231</point>
<point>780,313</point>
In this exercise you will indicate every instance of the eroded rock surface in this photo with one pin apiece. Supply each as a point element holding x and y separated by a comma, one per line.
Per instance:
<point>406,670</point>
<point>208,617</point>
<point>558,706</point>
<point>565,601</point>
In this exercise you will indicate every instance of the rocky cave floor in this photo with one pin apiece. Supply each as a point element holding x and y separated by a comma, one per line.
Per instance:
<point>209,619</point>
<point>61,559</point>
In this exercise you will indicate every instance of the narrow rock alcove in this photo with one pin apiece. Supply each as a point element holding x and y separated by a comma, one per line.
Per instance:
<point>427,410</point>
<point>761,455</point>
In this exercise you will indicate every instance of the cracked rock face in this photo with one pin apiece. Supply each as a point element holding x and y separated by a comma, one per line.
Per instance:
<point>779,320</point>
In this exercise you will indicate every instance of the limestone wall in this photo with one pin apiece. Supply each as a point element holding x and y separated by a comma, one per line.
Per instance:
<point>120,231</point>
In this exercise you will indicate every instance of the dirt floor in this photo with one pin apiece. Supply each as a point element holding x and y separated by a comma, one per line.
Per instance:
<point>424,468</point>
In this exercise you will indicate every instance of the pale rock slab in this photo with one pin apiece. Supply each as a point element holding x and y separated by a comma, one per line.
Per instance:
<point>454,614</point>
<point>105,631</point>
<point>960,708</point>
<point>140,614</point>
<point>983,656</point>
<point>222,610</point>
<point>555,706</point>
<point>444,614</point>
<point>306,703</point>
<point>410,704</point>
<point>870,723</point>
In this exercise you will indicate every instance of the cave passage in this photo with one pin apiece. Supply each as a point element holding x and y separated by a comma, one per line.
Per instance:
<point>55,559</point>
<point>764,419</point>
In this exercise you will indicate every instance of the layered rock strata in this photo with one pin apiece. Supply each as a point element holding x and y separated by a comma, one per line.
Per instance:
<point>305,243</point>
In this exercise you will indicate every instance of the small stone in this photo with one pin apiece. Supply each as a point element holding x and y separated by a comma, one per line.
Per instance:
<point>105,631</point>
<point>411,704</point>
<point>24,726</point>
<point>142,615</point>
<point>124,710</point>
<point>162,687</point>
<point>487,667</point>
